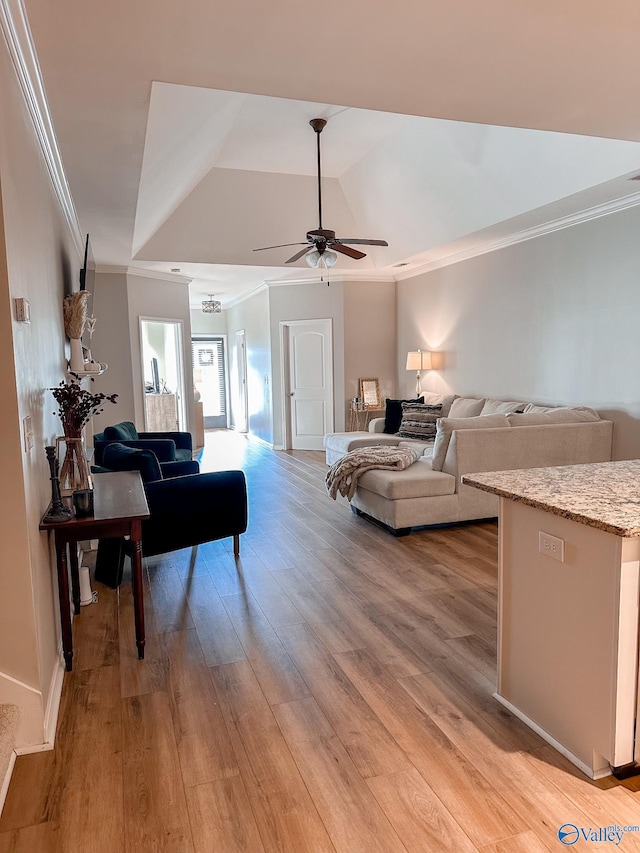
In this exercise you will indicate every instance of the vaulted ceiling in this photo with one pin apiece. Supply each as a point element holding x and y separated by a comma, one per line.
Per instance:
<point>183,126</point>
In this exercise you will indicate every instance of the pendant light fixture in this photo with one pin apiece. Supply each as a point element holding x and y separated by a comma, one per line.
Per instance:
<point>211,306</point>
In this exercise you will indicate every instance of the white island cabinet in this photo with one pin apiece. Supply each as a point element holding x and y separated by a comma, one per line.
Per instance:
<point>569,573</point>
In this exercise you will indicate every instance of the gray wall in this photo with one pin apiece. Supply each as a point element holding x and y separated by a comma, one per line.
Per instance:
<point>554,320</point>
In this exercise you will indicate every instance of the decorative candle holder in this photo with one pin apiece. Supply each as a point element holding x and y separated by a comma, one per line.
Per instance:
<point>57,511</point>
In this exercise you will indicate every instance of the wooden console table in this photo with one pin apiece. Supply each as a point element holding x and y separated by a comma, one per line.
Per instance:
<point>120,506</point>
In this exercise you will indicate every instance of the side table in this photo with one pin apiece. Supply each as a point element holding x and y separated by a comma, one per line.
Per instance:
<point>120,507</point>
<point>359,416</point>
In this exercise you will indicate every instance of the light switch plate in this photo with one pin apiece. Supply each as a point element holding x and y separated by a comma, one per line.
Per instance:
<point>27,429</point>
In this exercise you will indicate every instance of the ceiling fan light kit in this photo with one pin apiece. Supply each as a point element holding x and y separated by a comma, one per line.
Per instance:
<point>322,244</point>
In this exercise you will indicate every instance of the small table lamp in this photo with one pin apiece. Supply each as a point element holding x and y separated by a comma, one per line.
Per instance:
<point>418,361</point>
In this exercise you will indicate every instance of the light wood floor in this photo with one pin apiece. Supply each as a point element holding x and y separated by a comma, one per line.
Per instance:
<point>330,690</point>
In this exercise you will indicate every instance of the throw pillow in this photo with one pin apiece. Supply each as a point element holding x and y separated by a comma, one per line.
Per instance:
<point>444,399</point>
<point>465,407</point>
<point>561,415</point>
<point>446,426</point>
<point>119,457</point>
<point>498,407</point>
<point>419,421</point>
<point>393,414</point>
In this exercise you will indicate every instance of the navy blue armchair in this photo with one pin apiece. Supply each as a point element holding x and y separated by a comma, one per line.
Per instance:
<point>167,446</point>
<point>186,510</point>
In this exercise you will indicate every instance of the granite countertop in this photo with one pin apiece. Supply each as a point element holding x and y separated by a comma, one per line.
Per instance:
<point>602,494</point>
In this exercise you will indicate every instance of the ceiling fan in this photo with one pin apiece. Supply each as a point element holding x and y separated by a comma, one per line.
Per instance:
<point>322,243</point>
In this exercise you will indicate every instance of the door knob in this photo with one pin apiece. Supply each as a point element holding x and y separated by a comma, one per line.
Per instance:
<point>291,393</point>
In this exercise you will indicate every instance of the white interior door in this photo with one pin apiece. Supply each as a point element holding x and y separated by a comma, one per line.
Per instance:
<point>310,385</point>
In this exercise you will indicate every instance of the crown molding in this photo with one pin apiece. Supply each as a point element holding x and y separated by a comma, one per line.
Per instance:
<point>587,215</point>
<point>243,297</point>
<point>144,273</point>
<point>17,35</point>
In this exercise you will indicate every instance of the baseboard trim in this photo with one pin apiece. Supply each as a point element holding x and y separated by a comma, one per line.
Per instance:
<point>53,705</point>
<point>588,771</point>
<point>261,441</point>
<point>4,788</point>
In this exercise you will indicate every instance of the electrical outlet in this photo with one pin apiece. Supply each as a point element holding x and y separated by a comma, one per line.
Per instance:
<point>551,546</point>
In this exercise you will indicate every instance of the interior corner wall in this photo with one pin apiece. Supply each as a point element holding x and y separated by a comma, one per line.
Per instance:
<point>252,316</point>
<point>39,261</point>
<point>369,337</point>
<point>313,301</point>
<point>110,344</point>
<point>551,320</point>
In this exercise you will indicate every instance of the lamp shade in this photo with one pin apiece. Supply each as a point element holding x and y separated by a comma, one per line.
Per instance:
<point>419,360</point>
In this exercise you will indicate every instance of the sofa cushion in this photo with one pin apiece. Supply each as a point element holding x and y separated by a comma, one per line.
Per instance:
<point>445,401</point>
<point>119,457</point>
<point>496,407</point>
<point>393,414</point>
<point>419,421</point>
<point>447,425</point>
<point>343,442</point>
<point>561,415</point>
<point>417,481</point>
<point>466,407</point>
<point>124,431</point>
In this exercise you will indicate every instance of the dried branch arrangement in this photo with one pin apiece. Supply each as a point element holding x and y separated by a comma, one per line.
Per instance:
<point>75,313</point>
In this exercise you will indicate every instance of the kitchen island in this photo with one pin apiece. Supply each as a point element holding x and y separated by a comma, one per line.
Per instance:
<point>568,591</point>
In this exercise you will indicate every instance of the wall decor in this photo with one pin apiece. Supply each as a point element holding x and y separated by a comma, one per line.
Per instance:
<point>370,393</point>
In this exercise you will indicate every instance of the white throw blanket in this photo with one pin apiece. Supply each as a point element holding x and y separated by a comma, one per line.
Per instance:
<point>343,475</point>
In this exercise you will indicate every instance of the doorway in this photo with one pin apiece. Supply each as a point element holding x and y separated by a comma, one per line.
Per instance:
<point>307,357</point>
<point>163,374</point>
<point>210,379</point>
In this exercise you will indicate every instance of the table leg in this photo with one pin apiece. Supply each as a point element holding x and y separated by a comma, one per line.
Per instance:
<point>138,591</point>
<point>75,576</point>
<point>65,609</point>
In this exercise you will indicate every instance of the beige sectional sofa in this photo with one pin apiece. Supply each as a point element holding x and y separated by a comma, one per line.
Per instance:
<point>477,435</point>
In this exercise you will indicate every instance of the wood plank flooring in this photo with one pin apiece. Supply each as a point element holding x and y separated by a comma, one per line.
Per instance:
<point>330,690</point>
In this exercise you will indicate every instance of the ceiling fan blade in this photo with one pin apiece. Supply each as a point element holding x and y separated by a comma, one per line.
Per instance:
<point>298,255</point>
<point>347,250</point>
<point>359,242</point>
<point>280,246</point>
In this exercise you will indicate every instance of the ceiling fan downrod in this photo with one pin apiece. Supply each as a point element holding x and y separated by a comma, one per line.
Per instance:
<point>318,124</point>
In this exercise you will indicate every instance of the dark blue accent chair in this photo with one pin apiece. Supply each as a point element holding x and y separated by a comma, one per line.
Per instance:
<point>186,510</point>
<point>168,446</point>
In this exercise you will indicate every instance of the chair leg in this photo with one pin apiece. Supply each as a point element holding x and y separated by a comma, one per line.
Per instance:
<point>236,545</point>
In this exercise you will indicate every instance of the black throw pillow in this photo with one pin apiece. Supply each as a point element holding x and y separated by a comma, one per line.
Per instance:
<point>393,414</point>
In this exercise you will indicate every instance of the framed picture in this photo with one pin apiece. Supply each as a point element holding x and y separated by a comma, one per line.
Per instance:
<point>370,393</point>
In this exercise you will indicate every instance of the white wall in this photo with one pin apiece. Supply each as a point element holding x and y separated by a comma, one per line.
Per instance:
<point>208,324</point>
<point>553,320</point>
<point>252,315</point>
<point>38,261</point>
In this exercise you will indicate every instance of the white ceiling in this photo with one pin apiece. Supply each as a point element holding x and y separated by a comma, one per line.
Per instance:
<point>186,143</point>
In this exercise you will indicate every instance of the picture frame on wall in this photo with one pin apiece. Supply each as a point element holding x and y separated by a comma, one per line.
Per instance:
<point>370,393</point>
